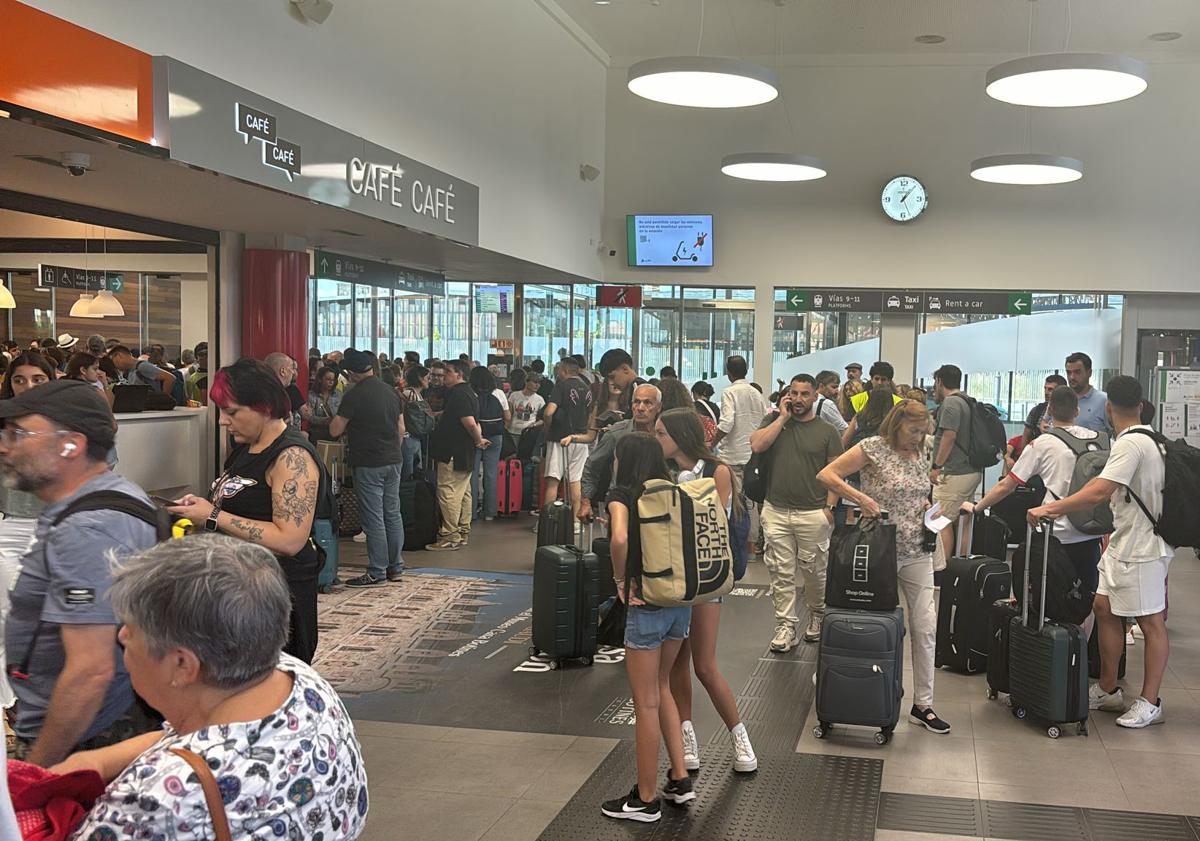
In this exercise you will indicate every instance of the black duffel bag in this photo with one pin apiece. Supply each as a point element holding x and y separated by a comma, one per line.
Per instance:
<point>862,566</point>
<point>1067,600</point>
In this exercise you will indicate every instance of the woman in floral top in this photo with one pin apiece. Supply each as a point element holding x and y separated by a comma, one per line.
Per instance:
<point>204,622</point>
<point>895,479</point>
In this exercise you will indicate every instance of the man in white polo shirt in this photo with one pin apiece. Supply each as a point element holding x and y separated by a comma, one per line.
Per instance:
<point>1133,570</point>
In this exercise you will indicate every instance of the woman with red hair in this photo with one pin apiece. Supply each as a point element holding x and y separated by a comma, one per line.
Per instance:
<point>269,489</point>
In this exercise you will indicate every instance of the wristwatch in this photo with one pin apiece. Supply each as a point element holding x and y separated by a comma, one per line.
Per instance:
<point>211,523</point>
<point>937,466</point>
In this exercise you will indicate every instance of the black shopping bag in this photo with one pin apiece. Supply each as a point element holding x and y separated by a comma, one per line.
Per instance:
<point>862,566</point>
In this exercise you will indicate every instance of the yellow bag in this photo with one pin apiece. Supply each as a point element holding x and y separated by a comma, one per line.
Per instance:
<point>686,552</point>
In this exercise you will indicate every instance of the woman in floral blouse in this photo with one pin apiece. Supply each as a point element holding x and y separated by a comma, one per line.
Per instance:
<point>895,479</point>
<point>204,622</point>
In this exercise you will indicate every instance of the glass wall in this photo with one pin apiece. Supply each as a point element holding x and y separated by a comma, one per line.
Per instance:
<point>546,323</point>
<point>411,316</point>
<point>451,316</point>
<point>800,334</point>
<point>334,321</point>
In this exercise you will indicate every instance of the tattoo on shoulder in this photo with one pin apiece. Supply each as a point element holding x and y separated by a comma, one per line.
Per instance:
<point>252,532</point>
<point>295,498</point>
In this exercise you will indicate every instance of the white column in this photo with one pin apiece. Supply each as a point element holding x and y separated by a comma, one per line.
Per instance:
<point>764,319</point>
<point>898,345</point>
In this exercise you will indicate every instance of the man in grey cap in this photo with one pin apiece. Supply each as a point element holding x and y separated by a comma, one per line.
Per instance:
<point>854,372</point>
<point>61,635</point>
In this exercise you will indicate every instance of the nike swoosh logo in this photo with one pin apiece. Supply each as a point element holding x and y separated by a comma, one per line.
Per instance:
<point>625,808</point>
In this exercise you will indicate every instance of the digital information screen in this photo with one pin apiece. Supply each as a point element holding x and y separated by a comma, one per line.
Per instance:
<point>669,240</point>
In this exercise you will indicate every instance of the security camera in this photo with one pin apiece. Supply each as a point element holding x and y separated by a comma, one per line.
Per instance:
<point>314,10</point>
<point>76,163</point>
<point>587,172</point>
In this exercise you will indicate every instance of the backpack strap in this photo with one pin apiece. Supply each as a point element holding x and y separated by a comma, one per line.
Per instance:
<point>1079,446</point>
<point>120,502</point>
<point>1158,440</point>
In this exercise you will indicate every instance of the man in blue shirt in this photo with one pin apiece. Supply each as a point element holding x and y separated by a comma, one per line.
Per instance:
<point>1092,401</point>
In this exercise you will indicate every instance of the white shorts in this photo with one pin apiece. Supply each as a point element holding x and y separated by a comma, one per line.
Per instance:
<point>1138,589</point>
<point>576,458</point>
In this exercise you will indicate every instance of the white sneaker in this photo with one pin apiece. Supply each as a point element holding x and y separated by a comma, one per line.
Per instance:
<point>1109,702</point>
<point>1129,638</point>
<point>691,748</point>
<point>744,760</point>
<point>361,537</point>
<point>1141,714</point>
<point>1136,630</point>
<point>814,629</point>
<point>784,639</point>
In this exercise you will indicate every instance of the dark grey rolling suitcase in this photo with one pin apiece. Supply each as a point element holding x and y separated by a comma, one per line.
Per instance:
<point>971,584</point>
<point>565,604</point>
<point>1047,663</point>
<point>556,520</point>
<point>860,671</point>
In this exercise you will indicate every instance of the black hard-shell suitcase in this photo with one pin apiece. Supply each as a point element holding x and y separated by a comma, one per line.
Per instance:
<point>860,671</point>
<point>1003,612</point>
<point>970,586</point>
<point>1047,664</point>
<point>990,536</point>
<point>556,521</point>
<point>565,604</point>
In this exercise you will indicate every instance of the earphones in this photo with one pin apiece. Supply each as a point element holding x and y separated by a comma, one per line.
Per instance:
<point>67,449</point>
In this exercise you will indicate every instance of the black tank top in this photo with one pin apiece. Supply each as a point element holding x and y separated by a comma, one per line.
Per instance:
<point>244,492</point>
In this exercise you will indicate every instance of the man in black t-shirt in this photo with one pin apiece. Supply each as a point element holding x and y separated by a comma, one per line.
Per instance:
<point>568,412</point>
<point>372,414</point>
<point>452,447</point>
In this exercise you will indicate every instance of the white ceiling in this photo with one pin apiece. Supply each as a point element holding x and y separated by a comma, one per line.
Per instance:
<point>813,30</point>
<point>154,188</point>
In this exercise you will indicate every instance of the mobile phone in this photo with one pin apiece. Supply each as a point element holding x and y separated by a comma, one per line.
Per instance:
<point>162,501</point>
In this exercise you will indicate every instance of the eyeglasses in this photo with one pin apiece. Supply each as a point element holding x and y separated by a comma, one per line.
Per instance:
<point>11,434</point>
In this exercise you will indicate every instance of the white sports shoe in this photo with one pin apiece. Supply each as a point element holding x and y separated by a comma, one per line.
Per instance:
<point>784,639</point>
<point>813,633</point>
<point>361,537</point>
<point>1141,714</point>
<point>744,760</point>
<point>691,748</point>
<point>1109,702</point>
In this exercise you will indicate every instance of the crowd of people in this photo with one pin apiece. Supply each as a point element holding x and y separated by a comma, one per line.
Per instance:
<point>110,628</point>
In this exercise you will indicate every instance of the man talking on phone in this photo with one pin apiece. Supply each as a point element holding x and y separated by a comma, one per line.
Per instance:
<point>797,516</point>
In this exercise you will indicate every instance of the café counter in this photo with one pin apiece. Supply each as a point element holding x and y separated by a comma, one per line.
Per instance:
<point>167,453</point>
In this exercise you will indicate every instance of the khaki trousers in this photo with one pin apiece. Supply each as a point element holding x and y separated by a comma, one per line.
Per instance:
<point>796,539</point>
<point>454,498</point>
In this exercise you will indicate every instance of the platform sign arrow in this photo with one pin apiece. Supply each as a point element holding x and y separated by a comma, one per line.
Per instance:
<point>797,300</point>
<point>1020,303</point>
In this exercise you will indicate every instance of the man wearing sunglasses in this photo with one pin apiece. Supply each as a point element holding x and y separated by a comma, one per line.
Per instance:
<point>61,636</point>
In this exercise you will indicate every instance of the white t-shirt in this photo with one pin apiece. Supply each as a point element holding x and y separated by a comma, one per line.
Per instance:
<point>1054,461</point>
<point>830,414</point>
<point>525,408</point>
<point>1137,464</point>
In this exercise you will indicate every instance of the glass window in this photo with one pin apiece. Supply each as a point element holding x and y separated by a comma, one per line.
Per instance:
<point>485,318</point>
<point>660,331</point>
<point>410,324</point>
<point>451,316</point>
<point>333,315</point>
<point>383,322</point>
<point>547,321</point>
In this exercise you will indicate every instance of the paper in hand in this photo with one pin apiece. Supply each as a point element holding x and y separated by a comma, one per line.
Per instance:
<point>935,521</point>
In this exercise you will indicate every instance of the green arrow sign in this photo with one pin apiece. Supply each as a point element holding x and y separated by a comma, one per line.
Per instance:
<point>797,300</point>
<point>1020,303</point>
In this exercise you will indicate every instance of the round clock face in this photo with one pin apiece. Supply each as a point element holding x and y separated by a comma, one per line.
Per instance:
<point>904,198</point>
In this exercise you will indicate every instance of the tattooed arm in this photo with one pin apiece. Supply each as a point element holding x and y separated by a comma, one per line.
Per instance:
<point>293,479</point>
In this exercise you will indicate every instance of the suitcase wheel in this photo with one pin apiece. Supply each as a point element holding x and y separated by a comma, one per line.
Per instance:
<point>586,660</point>
<point>553,665</point>
<point>821,730</point>
<point>1053,731</point>
<point>1019,712</point>
<point>992,694</point>
<point>533,651</point>
<point>882,737</point>
<point>1083,728</point>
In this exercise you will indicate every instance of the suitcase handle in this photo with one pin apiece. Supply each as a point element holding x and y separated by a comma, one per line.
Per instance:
<point>1045,526</point>
<point>970,532</point>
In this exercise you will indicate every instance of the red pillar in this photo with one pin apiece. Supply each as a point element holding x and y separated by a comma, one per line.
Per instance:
<point>275,306</point>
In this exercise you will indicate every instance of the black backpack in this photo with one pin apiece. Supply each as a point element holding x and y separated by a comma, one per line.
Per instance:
<point>122,503</point>
<point>986,440</point>
<point>1178,525</point>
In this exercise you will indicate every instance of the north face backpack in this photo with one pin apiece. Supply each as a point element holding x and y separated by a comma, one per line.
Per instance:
<point>685,548</point>
<point>986,439</point>
<point>1091,454</point>
<point>1178,525</point>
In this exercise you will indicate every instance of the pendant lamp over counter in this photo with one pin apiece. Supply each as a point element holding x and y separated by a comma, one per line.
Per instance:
<point>1027,169</point>
<point>1067,80</point>
<point>106,303</point>
<point>7,301</point>
<point>773,166</point>
<point>703,82</point>
<point>83,307</point>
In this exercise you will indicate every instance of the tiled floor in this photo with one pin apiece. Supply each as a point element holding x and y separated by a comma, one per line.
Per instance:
<point>454,783</point>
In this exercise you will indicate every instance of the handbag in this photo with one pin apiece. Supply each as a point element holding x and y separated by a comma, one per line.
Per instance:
<point>757,476</point>
<point>212,794</point>
<point>862,566</point>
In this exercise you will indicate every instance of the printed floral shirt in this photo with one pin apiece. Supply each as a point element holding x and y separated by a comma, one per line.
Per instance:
<point>296,774</point>
<point>901,487</point>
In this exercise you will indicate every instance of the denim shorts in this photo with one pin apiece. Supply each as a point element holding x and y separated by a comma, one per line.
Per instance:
<point>649,627</point>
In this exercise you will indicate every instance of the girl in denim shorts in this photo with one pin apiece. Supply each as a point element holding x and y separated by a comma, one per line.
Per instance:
<point>653,637</point>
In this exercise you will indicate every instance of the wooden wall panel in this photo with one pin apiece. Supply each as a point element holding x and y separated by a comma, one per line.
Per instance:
<point>163,314</point>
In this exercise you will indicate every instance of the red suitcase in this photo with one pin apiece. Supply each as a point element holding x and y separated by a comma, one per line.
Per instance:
<point>510,481</point>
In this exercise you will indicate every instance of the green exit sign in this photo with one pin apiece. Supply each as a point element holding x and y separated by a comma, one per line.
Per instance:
<point>797,300</point>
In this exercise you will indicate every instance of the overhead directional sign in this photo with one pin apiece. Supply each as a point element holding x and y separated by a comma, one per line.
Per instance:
<point>64,277</point>
<point>797,300</point>
<point>903,301</point>
<point>979,303</point>
<point>374,273</point>
<point>788,322</point>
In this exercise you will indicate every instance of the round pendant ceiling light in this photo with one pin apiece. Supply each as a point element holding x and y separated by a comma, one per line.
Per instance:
<point>106,303</point>
<point>1027,169</point>
<point>1067,80</point>
<point>773,166</point>
<point>7,302</point>
<point>83,307</point>
<point>703,82</point>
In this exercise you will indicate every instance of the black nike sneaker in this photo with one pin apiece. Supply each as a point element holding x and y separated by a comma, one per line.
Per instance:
<point>632,808</point>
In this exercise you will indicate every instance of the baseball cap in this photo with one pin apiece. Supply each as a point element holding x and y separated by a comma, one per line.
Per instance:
<point>358,362</point>
<point>853,365</point>
<point>72,404</point>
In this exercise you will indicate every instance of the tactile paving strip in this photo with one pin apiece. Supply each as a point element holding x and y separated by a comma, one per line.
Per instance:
<point>792,796</point>
<point>1028,821</point>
